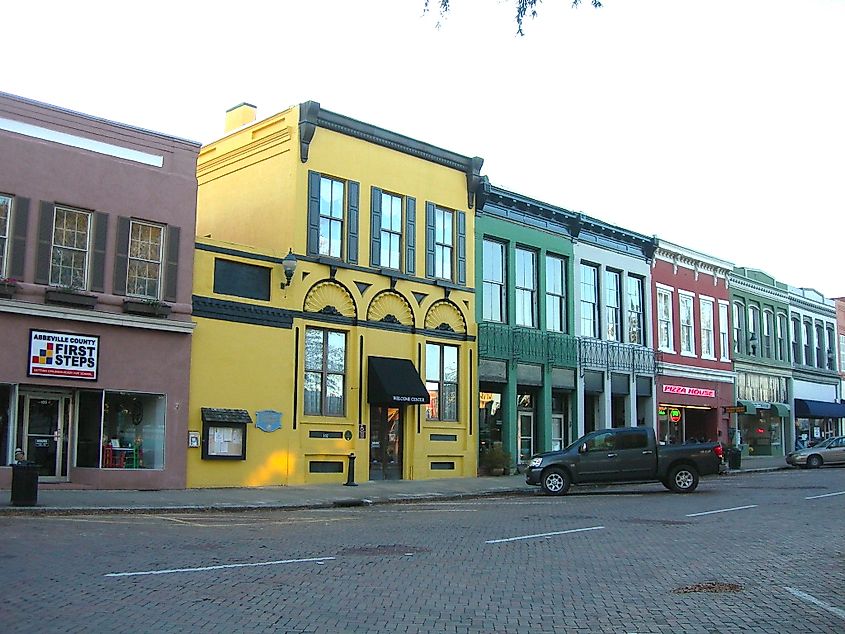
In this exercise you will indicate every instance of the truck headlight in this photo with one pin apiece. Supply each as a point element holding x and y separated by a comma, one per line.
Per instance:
<point>535,462</point>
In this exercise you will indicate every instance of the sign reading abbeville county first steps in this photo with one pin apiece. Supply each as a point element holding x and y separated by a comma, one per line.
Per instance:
<point>63,355</point>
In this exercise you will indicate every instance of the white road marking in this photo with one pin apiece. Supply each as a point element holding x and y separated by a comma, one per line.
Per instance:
<point>811,599</point>
<point>514,539</point>
<point>826,495</point>
<point>220,567</point>
<point>735,508</point>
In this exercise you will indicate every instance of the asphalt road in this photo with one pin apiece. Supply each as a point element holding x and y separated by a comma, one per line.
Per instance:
<point>750,553</point>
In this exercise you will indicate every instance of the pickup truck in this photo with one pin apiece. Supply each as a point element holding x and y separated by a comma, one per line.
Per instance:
<point>625,454</point>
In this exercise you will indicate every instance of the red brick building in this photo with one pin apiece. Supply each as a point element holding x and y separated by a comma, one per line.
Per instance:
<point>692,336</point>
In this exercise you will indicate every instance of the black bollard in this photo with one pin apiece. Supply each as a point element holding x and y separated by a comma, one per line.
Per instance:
<point>350,478</point>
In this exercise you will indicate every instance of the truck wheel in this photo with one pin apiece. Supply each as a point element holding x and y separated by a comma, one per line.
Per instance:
<point>683,479</point>
<point>814,461</point>
<point>555,481</point>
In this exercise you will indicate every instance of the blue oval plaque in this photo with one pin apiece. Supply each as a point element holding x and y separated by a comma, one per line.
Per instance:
<point>268,420</point>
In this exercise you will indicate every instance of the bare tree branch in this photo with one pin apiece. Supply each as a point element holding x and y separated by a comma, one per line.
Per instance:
<point>523,8</point>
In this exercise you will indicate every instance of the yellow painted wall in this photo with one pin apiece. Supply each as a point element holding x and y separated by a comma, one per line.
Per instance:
<point>253,191</point>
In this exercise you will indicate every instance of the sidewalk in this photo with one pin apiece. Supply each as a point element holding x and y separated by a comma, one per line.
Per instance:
<point>55,501</point>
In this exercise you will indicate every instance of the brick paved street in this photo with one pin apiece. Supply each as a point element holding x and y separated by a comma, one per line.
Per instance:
<point>597,560</point>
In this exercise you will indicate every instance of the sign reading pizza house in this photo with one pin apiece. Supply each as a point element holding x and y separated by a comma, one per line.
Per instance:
<point>690,391</point>
<point>64,355</point>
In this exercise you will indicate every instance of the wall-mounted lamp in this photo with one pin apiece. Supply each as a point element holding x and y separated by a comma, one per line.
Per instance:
<point>289,266</point>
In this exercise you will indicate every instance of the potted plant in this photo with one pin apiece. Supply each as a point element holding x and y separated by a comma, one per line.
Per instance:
<point>147,307</point>
<point>70,296</point>
<point>8,286</point>
<point>495,460</point>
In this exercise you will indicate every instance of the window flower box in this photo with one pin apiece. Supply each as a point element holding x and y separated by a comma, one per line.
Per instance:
<point>147,308</point>
<point>70,297</point>
<point>7,288</point>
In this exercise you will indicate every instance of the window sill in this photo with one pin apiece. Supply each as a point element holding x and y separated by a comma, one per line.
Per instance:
<point>146,308</point>
<point>691,355</point>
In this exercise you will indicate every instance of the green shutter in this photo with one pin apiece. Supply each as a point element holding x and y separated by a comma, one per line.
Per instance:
<point>462,248</point>
<point>375,226</point>
<point>45,242</point>
<point>121,256</point>
<point>98,255</point>
<point>410,236</point>
<point>171,274</point>
<point>429,239</point>
<point>352,195</point>
<point>313,213</point>
<point>17,243</point>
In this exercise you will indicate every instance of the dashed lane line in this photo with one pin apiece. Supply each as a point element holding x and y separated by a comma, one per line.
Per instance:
<point>809,598</point>
<point>219,567</point>
<point>538,535</point>
<point>826,495</point>
<point>735,508</point>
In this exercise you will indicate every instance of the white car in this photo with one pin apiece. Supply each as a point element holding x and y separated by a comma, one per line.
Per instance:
<point>830,451</point>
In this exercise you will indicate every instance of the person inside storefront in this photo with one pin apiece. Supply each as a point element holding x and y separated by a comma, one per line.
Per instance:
<point>20,458</point>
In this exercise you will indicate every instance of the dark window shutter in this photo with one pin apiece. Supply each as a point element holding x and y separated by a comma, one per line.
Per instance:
<point>98,259</point>
<point>121,256</point>
<point>17,244</point>
<point>429,239</point>
<point>313,213</point>
<point>353,190</point>
<point>45,243</point>
<point>410,235</point>
<point>171,273</point>
<point>462,248</point>
<point>375,226</point>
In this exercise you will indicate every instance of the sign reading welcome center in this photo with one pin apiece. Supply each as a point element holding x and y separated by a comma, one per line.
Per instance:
<point>63,355</point>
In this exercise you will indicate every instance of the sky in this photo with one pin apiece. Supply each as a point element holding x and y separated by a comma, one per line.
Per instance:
<point>718,125</point>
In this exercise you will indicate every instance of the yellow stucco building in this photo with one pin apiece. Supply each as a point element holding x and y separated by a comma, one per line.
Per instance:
<point>334,305</point>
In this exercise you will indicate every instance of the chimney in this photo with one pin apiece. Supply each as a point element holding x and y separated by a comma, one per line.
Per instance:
<point>240,115</point>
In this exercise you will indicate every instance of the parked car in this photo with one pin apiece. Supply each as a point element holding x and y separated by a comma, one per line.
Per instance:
<point>830,451</point>
<point>628,454</point>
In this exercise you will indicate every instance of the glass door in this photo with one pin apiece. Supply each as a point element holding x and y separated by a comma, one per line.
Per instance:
<point>557,432</point>
<point>385,443</point>
<point>44,431</point>
<point>526,436</point>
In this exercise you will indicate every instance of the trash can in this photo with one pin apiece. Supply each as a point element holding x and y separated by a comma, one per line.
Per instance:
<point>734,458</point>
<point>24,485</point>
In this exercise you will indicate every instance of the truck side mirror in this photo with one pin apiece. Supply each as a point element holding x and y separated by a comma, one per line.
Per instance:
<point>582,448</point>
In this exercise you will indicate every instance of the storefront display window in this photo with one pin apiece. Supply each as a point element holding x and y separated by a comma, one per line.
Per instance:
<point>489,419</point>
<point>6,431</point>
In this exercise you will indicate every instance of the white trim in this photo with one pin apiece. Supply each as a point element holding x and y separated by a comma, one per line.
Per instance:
<point>83,143</point>
<point>691,372</point>
<point>665,287</point>
<point>109,319</point>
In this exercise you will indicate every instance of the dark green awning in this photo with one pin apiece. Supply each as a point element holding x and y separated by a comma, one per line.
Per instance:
<point>750,408</point>
<point>394,382</point>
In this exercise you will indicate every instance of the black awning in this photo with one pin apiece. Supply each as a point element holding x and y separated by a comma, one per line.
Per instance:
<point>805,408</point>
<point>394,382</point>
<point>218,415</point>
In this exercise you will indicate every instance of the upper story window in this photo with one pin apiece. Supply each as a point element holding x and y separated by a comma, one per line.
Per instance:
<point>443,243</point>
<point>441,380</point>
<point>71,244</point>
<point>555,293</point>
<point>820,360</point>
<point>5,214</point>
<point>391,230</point>
<point>724,344</point>
<point>145,254</point>
<point>841,353</point>
<point>768,333</point>
<point>753,329</point>
<point>325,372</point>
<point>687,318</point>
<point>808,343</point>
<point>795,329</point>
<point>665,338</point>
<point>526,288</point>
<point>493,283</point>
<point>612,308</point>
<point>331,216</point>
<point>589,300</point>
<point>739,328</point>
<point>706,307</point>
<point>780,349</point>
<point>831,349</point>
<point>636,314</point>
